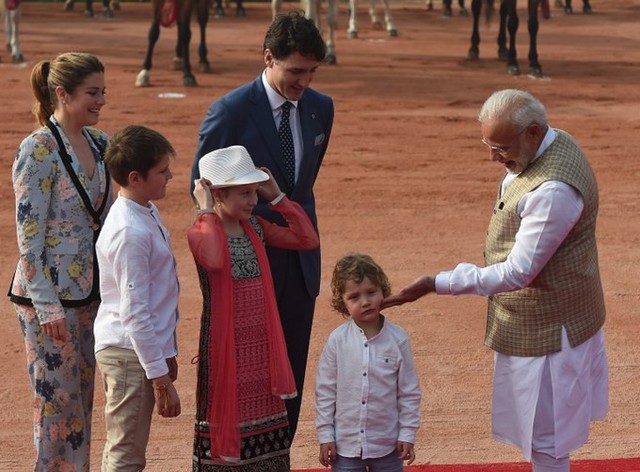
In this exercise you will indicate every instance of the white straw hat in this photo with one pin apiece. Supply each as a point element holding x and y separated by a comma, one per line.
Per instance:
<point>230,166</point>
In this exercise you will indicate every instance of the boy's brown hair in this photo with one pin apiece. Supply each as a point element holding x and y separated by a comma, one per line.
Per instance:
<point>135,148</point>
<point>356,267</point>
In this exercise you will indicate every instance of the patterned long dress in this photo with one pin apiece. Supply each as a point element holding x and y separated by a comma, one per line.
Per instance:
<point>264,427</point>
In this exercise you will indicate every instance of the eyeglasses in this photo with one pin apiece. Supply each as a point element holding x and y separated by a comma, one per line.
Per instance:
<point>502,149</point>
<point>498,149</point>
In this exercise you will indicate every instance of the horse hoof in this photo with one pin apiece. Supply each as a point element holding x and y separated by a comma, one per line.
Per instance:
<point>503,53</point>
<point>446,13</point>
<point>393,33</point>
<point>240,11</point>
<point>107,13</point>
<point>568,10</point>
<point>331,59</point>
<point>142,80</point>
<point>88,13</point>
<point>68,5</point>
<point>17,59</point>
<point>535,72</point>
<point>376,25</point>
<point>464,12</point>
<point>513,69</point>
<point>176,63</point>
<point>115,5</point>
<point>473,55</point>
<point>189,81</point>
<point>218,12</point>
<point>587,10</point>
<point>430,6</point>
<point>353,34</point>
<point>204,67</point>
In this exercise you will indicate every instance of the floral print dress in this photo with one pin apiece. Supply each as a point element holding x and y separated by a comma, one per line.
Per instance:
<point>55,277</point>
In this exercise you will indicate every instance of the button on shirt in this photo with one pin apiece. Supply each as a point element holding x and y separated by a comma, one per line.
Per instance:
<point>367,391</point>
<point>138,285</point>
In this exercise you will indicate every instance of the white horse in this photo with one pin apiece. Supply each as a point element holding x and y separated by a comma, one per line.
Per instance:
<point>312,9</point>
<point>11,11</point>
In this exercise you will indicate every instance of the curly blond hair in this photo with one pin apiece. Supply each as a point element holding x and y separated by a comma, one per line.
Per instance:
<point>355,267</point>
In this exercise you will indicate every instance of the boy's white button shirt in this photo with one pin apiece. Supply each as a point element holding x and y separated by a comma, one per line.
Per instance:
<point>367,391</point>
<point>138,286</point>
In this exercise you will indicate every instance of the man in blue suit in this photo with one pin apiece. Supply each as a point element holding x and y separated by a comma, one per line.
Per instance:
<point>251,116</point>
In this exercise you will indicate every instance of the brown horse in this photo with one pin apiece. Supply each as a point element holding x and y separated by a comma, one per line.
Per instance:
<point>165,13</point>
<point>508,24</point>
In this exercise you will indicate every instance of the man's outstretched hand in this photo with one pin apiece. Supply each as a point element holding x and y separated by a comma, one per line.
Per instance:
<point>416,289</point>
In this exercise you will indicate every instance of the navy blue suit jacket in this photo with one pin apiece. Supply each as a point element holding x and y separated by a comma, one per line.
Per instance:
<point>244,117</point>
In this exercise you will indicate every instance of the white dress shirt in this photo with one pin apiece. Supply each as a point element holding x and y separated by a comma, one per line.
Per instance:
<point>276,100</point>
<point>367,391</point>
<point>548,214</point>
<point>138,286</point>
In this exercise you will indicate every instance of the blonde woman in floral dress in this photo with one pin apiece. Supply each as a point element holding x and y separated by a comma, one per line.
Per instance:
<point>59,209</point>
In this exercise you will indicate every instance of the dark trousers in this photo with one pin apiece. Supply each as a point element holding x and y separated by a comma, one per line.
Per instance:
<point>296,313</point>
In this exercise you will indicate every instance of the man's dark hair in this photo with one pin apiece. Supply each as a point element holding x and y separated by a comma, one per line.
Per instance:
<point>292,32</point>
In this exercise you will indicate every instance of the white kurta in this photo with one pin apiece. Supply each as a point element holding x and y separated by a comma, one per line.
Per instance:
<point>577,378</point>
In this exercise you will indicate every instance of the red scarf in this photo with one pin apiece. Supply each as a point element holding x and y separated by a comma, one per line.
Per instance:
<point>222,405</point>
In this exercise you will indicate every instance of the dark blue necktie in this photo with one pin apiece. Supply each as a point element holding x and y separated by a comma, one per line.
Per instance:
<point>286,141</point>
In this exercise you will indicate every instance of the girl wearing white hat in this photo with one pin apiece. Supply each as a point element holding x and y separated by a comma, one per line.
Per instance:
<point>244,373</point>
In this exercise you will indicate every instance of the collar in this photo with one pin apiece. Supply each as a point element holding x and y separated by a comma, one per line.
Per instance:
<point>275,99</point>
<point>135,206</point>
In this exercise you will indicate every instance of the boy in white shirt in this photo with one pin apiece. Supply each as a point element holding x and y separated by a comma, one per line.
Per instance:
<point>367,389</point>
<point>135,329</point>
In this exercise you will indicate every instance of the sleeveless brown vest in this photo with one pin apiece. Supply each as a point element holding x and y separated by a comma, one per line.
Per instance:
<point>567,292</point>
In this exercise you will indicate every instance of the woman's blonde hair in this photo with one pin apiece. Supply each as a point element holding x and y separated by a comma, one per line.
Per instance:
<point>68,70</point>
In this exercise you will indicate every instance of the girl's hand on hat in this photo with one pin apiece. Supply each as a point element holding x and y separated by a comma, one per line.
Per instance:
<point>269,189</point>
<point>202,194</point>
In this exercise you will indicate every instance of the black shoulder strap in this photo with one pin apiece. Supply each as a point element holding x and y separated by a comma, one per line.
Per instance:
<point>66,160</point>
<point>95,214</point>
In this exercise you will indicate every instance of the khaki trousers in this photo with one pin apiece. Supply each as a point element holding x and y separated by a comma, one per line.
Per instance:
<point>128,409</point>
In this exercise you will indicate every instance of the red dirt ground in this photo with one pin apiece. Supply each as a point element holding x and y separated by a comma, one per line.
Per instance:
<point>405,179</point>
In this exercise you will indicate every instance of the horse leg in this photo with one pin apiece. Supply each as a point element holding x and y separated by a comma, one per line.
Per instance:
<point>240,11</point>
<point>375,21</point>
<point>388,20</point>
<point>353,19</point>
<point>332,21</point>
<point>218,9</point>
<point>312,12</point>
<point>446,8</point>
<point>429,5</point>
<point>203,17</point>
<point>88,8</point>
<point>474,49</point>
<point>503,52</point>
<point>184,39</point>
<point>512,26</point>
<point>12,30</point>
<point>586,7</point>
<point>463,10</point>
<point>142,80</point>
<point>106,9</point>
<point>535,69</point>
<point>567,7</point>
<point>275,8</point>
